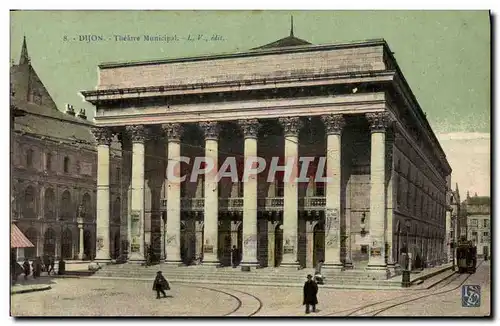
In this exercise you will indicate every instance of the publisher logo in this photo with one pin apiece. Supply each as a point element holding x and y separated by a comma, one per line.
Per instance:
<point>471,296</point>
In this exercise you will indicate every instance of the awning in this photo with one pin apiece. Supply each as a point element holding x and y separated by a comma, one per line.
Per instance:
<point>18,239</point>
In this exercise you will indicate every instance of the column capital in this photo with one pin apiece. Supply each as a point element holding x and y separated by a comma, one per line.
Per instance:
<point>334,123</point>
<point>210,129</point>
<point>137,133</point>
<point>250,127</point>
<point>379,121</point>
<point>102,135</point>
<point>173,131</point>
<point>291,125</point>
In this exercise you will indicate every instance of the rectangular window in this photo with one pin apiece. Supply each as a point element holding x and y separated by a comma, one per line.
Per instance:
<point>486,223</point>
<point>486,234</point>
<point>364,249</point>
<point>320,189</point>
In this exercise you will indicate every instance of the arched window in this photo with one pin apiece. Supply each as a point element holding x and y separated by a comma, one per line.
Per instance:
<point>48,161</point>
<point>29,158</point>
<point>87,207</point>
<point>66,164</point>
<point>65,206</point>
<point>49,209</point>
<point>29,205</point>
<point>32,236</point>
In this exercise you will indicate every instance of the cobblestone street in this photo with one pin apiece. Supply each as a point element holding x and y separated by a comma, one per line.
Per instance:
<point>93,297</point>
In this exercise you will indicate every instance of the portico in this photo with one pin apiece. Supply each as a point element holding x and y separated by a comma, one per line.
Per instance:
<point>239,106</point>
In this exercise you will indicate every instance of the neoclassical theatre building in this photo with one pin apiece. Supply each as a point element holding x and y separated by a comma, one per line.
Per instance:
<point>347,102</point>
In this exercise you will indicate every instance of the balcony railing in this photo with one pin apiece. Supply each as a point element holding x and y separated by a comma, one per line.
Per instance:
<point>270,204</point>
<point>236,204</point>
<point>312,203</point>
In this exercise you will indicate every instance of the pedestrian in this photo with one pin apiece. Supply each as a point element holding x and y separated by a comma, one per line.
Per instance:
<point>27,268</point>
<point>234,256</point>
<point>310,294</point>
<point>160,285</point>
<point>52,263</point>
<point>318,277</point>
<point>37,267</point>
<point>46,263</point>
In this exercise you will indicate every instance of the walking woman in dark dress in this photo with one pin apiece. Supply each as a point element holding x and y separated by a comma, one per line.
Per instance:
<point>310,294</point>
<point>160,285</point>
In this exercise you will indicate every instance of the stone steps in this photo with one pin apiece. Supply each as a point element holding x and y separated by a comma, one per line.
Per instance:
<point>265,275</point>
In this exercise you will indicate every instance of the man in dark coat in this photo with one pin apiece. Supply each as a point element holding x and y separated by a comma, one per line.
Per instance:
<point>310,292</point>
<point>27,269</point>
<point>37,267</point>
<point>160,285</point>
<point>234,256</point>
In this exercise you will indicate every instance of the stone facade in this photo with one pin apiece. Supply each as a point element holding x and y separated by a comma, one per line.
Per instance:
<point>53,165</point>
<point>349,103</point>
<point>478,223</point>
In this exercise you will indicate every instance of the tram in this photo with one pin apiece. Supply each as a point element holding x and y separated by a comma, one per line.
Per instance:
<point>466,257</point>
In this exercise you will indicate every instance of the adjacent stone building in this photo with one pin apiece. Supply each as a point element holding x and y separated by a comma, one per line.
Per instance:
<point>347,102</point>
<point>53,171</point>
<point>478,211</point>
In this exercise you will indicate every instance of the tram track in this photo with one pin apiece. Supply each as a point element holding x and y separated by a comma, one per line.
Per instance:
<point>376,312</point>
<point>240,306</point>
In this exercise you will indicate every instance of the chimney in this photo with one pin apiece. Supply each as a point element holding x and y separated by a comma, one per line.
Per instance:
<point>82,114</point>
<point>70,110</point>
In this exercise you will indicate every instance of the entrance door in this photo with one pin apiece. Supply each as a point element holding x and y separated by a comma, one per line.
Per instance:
<point>67,244</point>
<point>278,245</point>
<point>319,243</point>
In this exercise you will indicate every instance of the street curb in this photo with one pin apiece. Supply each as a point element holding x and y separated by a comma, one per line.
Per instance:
<point>345,287</point>
<point>37,289</point>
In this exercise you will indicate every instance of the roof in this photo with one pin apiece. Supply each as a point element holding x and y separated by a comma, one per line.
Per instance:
<point>42,118</point>
<point>45,122</point>
<point>18,239</point>
<point>479,200</point>
<point>284,42</point>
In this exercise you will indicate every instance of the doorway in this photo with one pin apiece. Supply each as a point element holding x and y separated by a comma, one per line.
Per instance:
<point>319,243</point>
<point>278,245</point>
<point>67,245</point>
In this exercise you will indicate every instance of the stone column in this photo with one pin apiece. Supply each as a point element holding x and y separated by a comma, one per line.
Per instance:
<point>137,134</point>
<point>310,225</point>
<point>210,230</point>
<point>271,238</point>
<point>291,127</point>
<point>334,123</point>
<point>173,245</point>
<point>103,137</point>
<point>199,227</point>
<point>378,124</point>
<point>81,245</point>
<point>162,238</point>
<point>391,195</point>
<point>250,130</point>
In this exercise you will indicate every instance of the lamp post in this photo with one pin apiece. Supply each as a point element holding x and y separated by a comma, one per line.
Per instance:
<point>62,264</point>
<point>408,225</point>
<point>406,273</point>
